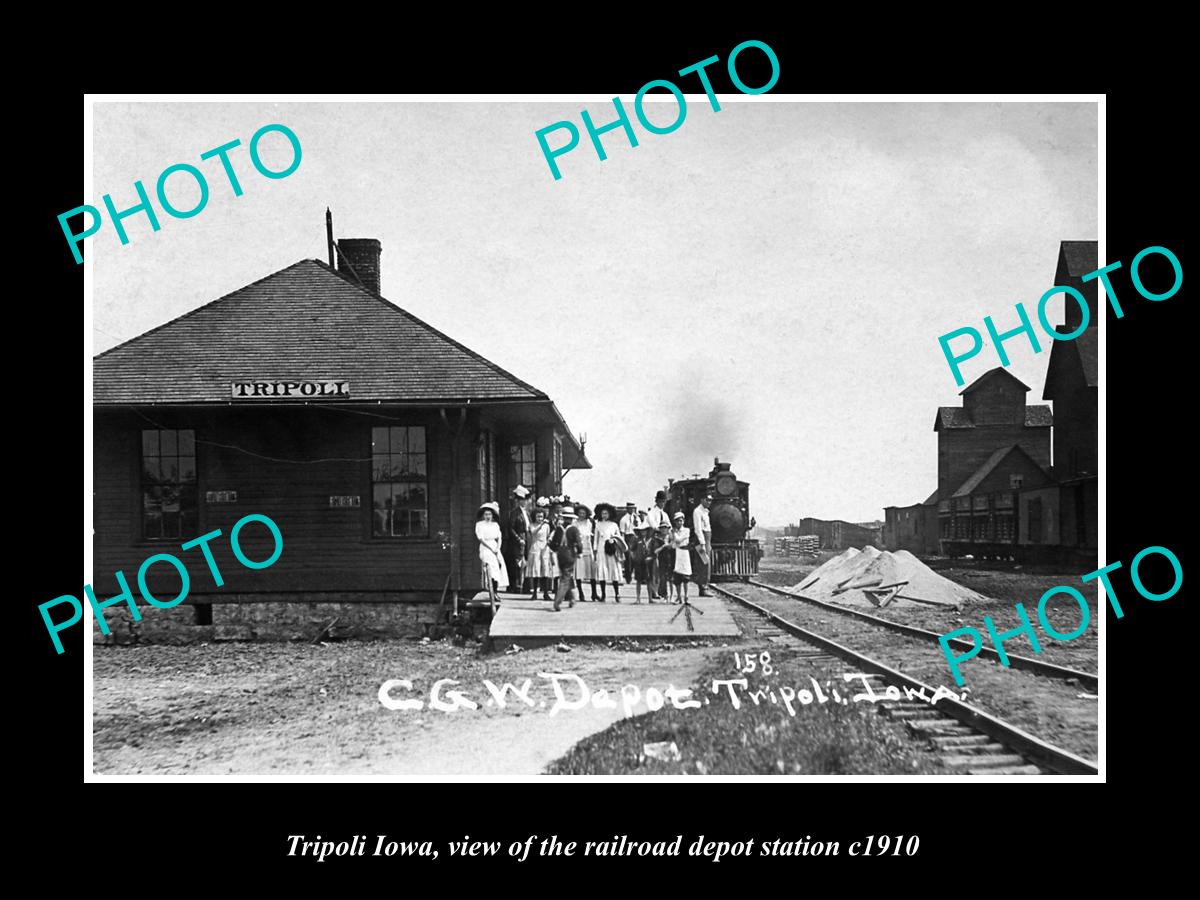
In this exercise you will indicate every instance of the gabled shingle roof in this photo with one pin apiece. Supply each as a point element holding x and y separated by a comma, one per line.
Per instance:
<point>1088,345</point>
<point>952,417</point>
<point>1077,258</point>
<point>304,322</point>
<point>983,471</point>
<point>1079,357</point>
<point>998,372</point>
<point>989,465</point>
<point>956,417</point>
<point>1038,416</point>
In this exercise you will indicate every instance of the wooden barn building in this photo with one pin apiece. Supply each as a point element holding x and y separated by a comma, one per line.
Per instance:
<point>987,448</point>
<point>369,438</point>
<point>996,481</point>
<point>836,534</point>
<point>913,528</point>
<point>1072,384</point>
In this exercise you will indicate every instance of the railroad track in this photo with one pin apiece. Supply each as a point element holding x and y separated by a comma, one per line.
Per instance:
<point>968,740</point>
<point>1085,679</point>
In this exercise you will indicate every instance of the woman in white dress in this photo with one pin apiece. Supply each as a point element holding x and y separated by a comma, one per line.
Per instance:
<point>540,567</point>
<point>679,539</point>
<point>608,538</point>
<point>585,564</point>
<point>487,532</point>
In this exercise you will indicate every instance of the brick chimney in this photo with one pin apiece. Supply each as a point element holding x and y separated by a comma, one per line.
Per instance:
<point>362,254</point>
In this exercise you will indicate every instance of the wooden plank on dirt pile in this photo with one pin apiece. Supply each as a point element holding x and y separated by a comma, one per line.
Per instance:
<point>946,603</point>
<point>524,619</point>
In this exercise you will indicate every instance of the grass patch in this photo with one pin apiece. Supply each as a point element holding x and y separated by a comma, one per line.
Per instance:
<point>717,739</point>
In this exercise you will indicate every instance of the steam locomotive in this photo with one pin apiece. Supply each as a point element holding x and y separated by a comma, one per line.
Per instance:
<point>734,555</point>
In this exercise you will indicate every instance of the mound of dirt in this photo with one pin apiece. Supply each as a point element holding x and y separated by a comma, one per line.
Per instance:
<point>840,567</point>
<point>872,578</point>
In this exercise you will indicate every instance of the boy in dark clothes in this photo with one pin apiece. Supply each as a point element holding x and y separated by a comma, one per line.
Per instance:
<point>644,562</point>
<point>665,560</point>
<point>567,544</point>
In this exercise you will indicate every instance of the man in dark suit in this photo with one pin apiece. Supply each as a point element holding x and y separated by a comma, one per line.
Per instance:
<point>567,544</point>
<point>515,536</point>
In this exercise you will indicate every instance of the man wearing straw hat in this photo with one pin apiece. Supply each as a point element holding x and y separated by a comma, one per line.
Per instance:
<point>519,525</point>
<point>567,545</point>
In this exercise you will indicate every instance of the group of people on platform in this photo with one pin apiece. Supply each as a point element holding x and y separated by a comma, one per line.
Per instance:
<point>559,545</point>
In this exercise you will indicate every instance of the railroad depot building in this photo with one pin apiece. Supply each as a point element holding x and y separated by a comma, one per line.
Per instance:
<point>369,438</point>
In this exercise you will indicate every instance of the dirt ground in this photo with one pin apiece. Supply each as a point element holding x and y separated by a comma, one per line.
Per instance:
<point>303,710</point>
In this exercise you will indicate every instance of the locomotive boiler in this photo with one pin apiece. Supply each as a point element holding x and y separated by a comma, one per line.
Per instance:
<point>734,555</point>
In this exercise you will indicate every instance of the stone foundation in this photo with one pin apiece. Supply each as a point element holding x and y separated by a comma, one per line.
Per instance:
<point>251,619</point>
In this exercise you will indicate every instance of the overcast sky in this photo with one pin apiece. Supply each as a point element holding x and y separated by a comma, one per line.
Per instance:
<point>766,284</point>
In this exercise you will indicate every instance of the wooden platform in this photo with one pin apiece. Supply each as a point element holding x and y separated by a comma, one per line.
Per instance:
<point>522,621</point>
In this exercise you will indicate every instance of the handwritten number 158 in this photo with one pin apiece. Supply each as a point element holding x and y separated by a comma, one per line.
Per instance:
<point>749,662</point>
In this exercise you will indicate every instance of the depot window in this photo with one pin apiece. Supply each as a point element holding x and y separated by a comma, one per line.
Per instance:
<point>487,465</point>
<point>523,465</point>
<point>1004,528</point>
<point>169,493</point>
<point>557,466</point>
<point>399,482</point>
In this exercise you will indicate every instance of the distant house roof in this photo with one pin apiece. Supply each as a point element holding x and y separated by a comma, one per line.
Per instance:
<point>989,465</point>
<point>990,374</point>
<point>931,500</point>
<point>1038,416</point>
<point>1077,258</point>
<point>303,321</point>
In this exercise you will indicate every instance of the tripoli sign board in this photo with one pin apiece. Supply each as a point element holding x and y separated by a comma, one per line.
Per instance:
<point>293,390</point>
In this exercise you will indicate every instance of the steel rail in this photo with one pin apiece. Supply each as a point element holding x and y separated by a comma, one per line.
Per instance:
<point>1086,679</point>
<point>1029,746</point>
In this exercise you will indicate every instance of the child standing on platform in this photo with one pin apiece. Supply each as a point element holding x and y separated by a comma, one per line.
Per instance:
<point>540,566</point>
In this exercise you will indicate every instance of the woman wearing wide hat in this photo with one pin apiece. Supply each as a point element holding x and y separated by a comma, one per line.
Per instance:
<point>487,532</point>
<point>585,565</point>
<point>609,546</point>
<point>540,566</point>
<point>679,539</point>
